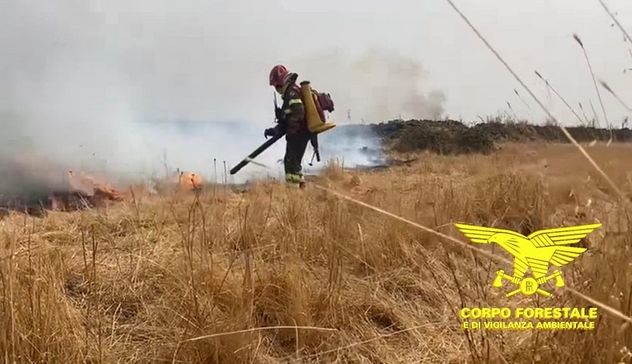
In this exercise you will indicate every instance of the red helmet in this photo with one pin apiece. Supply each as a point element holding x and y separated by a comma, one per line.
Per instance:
<point>278,75</point>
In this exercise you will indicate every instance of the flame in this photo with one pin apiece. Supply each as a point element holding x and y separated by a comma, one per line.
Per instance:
<point>92,186</point>
<point>189,181</point>
<point>83,191</point>
<point>35,184</point>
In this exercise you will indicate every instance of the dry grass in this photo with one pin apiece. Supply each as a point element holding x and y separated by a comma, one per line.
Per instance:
<point>185,278</point>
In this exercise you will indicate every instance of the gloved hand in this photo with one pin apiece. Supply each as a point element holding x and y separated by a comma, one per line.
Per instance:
<point>270,132</point>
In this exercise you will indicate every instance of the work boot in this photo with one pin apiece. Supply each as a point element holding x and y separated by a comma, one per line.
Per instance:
<point>294,180</point>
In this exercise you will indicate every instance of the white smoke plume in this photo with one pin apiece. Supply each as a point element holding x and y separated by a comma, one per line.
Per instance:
<point>128,88</point>
<point>374,86</point>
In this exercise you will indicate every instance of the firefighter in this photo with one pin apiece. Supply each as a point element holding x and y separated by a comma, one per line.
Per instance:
<point>291,119</point>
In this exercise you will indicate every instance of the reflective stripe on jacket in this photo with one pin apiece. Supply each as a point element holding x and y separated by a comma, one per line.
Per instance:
<point>295,121</point>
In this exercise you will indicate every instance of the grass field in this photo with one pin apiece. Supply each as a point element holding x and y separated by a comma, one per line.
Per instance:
<point>273,275</point>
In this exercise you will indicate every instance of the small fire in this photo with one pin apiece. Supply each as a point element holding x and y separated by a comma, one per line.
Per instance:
<point>91,186</point>
<point>189,181</point>
<point>83,191</point>
<point>34,184</point>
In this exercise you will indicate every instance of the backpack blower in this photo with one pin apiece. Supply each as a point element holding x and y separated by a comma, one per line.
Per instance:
<point>316,104</point>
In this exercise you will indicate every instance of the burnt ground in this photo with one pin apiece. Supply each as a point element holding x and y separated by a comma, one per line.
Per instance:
<point>371,140</point>
<point>454,137</point>
<point>38,204</point>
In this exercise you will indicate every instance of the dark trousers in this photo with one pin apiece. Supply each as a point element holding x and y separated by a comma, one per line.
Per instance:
<point>294,152</point>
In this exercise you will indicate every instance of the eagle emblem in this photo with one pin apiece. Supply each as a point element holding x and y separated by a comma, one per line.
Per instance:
<point>535,252</point>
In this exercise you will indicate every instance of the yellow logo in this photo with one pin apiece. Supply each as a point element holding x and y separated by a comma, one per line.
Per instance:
<point>535,252</point>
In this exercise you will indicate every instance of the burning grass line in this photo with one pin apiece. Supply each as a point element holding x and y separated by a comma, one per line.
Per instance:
<point>537,100</point>
<point>492,256</point>
<point>625,33</point>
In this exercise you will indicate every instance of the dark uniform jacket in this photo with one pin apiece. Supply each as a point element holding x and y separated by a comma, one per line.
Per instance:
<point>293,111</point>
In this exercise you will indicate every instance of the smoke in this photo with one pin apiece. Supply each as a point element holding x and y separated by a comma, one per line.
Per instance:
<point>373,86</point>
<point>353,146</point>
<point>24,175</point>
<point>138,90</point>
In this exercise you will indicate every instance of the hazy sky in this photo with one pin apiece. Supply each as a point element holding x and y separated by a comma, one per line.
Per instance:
<point>87,68</point>
<point>210,59</point>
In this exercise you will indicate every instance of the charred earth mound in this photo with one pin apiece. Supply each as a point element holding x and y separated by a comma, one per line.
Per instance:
<point>454,137</point>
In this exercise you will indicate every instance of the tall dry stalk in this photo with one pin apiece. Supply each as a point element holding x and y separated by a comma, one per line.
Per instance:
<point>277,275</point>
<point>592,74</point>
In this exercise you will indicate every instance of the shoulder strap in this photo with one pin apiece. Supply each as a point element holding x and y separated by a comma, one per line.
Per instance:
<point>291,82</point>
<point>280,116</point>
